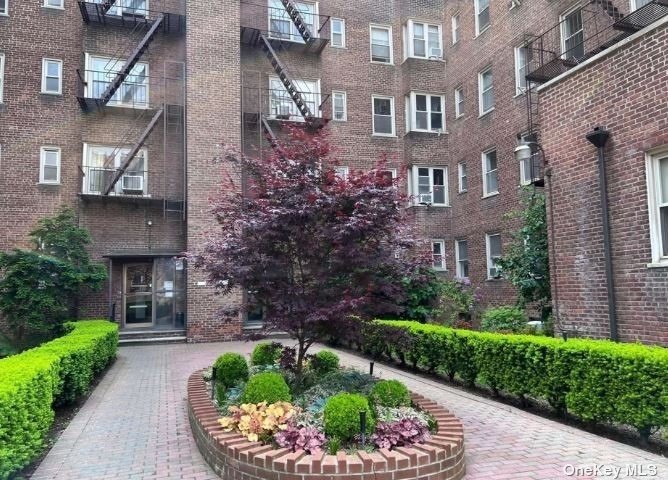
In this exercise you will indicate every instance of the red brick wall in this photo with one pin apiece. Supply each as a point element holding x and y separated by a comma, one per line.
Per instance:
<point>624,92</point>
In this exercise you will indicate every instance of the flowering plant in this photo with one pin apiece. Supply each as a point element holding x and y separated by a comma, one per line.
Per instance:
<point>394,414</point>
<point>309,439</point>
<point>401,433</point>
<point>255,421</point>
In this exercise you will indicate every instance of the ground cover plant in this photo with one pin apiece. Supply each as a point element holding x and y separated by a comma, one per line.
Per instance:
<point>318,410</point>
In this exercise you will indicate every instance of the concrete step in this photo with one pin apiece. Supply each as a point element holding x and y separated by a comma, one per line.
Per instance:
<point>151,341</point>
<point>148,337</point>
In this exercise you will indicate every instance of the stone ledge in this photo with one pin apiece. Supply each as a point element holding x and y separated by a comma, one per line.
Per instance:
<point>233,457</point>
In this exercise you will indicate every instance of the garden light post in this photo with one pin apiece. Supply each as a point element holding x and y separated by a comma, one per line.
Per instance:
<point>371,368</point>
<point>363,426</point>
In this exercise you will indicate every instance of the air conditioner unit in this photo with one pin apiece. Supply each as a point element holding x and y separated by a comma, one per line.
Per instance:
<point>425,199</point>
<point>132,183</point>
<point>436,53</point>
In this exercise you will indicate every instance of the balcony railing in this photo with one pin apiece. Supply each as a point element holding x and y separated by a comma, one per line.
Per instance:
<point>585,32</point>
<point>277,104</point>
<point>275,23</point>
<point>96,179</point>
<point>134,13</point>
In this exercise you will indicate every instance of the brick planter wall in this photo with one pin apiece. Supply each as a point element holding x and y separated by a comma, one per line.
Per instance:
<point>235,458</point>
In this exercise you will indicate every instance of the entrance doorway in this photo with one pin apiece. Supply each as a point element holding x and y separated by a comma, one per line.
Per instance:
<point>154,294</point>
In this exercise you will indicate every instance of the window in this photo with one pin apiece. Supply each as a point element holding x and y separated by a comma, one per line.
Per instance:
<point>438,254</point>
<point>527,175</point>
<point>493,243</point>
<point>281,25</point>
<point>127,7</point>
<point>4,7</point>
<point>490,174</point>
<point>459,102</point>
<point>522,60</point>
<point>657,198</point>
<point>572,34</point>
<point>381,44</point>
<point>49,165</point>
<point>430,186</point>
<point>455,28</point>
<point>283,107</point>
<point>635,4</point>
<point>338,32</point>
<point>481,15</point>
<point>424,40</point>
<point>383,116</point>
<point>341,172</point>
<point>101,164</point>
<point>426,112</point>
<point>387,177</point>
<point>462,258</point>
<point>133,92</point>
<point>54,3</point>
<point>52,76</point>
<point>2,76</point>
<point>463,178</point>
<point>339,106</point>
<point>485,91</point>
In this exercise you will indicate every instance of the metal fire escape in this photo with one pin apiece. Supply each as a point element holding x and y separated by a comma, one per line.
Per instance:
<point>146,25</point>
<point>273,42</point>
<point>603,26</point>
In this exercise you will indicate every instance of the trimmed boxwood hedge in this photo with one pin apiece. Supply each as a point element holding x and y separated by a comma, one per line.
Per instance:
<point>594,380</point>
<point>35,380</point>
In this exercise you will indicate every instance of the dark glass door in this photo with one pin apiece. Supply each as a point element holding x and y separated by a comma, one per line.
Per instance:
<point>138,294</point>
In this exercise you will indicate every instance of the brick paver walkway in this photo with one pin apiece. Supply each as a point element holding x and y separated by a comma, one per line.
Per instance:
<point>134,426</point>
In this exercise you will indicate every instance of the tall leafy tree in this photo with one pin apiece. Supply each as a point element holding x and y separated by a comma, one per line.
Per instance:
<point>314,248</point>
<point>39,289</point>
<point>526,262</point>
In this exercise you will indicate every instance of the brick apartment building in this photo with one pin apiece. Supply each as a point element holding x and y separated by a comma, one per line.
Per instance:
<point>120,109</point>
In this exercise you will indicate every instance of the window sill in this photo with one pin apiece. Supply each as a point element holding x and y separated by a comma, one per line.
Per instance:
<point>494,280</point>
<point>49,184</point>
<point>462,191</point>
<point>339,121</point>
<point>4,14</point>
<point>520,94</point>
<point>338,47</point>
<point>660,264</point>
<point>488,195</point>
<point>430,132</point>
<point>51,7</point>
<point>484,114</point>
<point>52,94</point>
<point>430,59</point>
<point>431,205</point>
<point>391,64</point>
<point>457,117</point>
<point>383,135</point>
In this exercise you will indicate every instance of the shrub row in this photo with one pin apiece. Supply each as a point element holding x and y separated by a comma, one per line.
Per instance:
<point>594,380</point>
<point>32,382</point>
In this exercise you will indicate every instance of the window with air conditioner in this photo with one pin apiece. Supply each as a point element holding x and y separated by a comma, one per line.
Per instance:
<point>281,25</point>
<point>424,40</point>
<point>657,199</point>
<point>490,174</point>
<point>462,258</point>
<point>133,92</point>
<point>438,254</point>
<point>101,165</point>
<point>429,186</point>
<point>572,34</point>
<point>283,107</point>
<point>493,246</point>
<point>426,112</point>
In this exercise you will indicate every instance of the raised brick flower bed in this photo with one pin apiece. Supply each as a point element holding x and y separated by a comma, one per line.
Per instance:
<point>235,458</point>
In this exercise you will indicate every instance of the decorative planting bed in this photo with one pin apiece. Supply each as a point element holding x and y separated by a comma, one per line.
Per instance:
<point>233,457</point>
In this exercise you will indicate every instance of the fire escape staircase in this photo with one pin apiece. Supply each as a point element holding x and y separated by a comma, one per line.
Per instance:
<point>115,84</point>
<point>133,152</point>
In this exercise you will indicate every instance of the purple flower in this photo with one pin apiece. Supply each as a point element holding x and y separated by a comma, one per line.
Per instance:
<point>308,439</point>
<point>401,433</point>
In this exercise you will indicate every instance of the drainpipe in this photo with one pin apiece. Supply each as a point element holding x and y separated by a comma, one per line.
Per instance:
<point>599,137</point>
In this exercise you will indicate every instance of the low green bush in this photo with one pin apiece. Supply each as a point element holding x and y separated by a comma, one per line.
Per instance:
<point>231,368</point>
<point>324,362</point>
<point>342,416</point>
<point>266,353</point>
<point>504,319</point>
<point>267,387</point>
<point>390,393</point>
<point>594,380</point>
<point>36,379</point>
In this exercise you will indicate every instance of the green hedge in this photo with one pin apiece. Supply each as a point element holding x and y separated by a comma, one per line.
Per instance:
<point>32,382</point>
<point>594,380</point>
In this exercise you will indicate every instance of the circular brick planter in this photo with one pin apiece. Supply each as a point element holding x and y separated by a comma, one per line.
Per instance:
<point>235,458</point>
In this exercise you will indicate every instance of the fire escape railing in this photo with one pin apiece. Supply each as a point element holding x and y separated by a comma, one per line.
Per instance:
<point>559,49</point>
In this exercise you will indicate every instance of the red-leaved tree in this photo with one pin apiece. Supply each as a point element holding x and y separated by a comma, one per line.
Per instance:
<point>314,248</point>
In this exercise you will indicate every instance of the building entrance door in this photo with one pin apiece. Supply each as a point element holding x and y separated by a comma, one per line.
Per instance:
<point>138,294</point>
